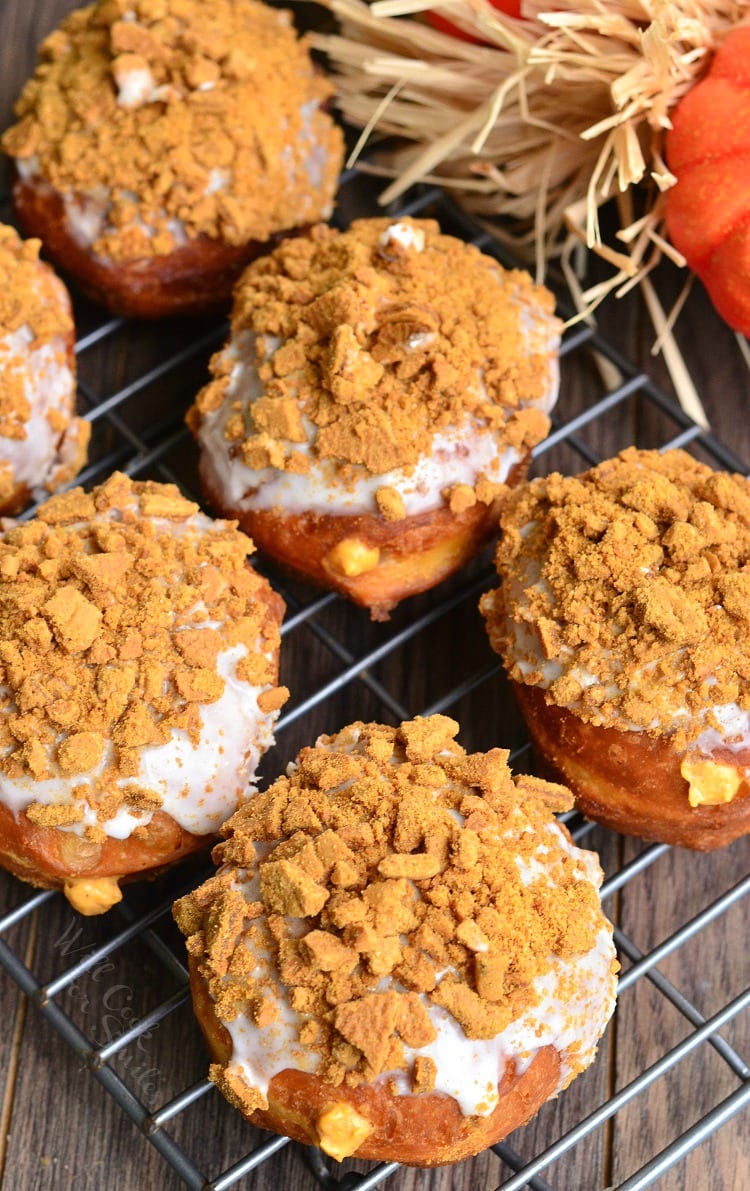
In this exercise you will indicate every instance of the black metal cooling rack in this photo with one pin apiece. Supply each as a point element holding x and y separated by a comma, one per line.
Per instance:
<point>136,401</point>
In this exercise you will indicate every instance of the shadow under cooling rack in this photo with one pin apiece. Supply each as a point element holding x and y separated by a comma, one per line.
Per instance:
<point>135,384</point>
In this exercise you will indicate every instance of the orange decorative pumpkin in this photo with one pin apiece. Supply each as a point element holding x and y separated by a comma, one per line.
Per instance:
<point>708,150</point>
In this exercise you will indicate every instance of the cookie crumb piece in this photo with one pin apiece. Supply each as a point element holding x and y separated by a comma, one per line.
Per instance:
<point>390,504</point>
<point>287,889</point>
<point>75,620</point>
<point>423,1074</point>
<point>416,866</point>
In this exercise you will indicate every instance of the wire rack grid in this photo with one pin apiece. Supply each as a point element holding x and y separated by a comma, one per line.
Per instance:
<point>136,403</point>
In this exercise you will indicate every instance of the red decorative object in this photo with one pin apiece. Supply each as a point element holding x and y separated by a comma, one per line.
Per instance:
<point>511,7</point>
<point>708,149</point>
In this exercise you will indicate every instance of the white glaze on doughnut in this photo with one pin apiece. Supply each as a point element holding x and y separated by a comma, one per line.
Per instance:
<point>404,235</point>
<point>135,87</point>
<point>48,385</point>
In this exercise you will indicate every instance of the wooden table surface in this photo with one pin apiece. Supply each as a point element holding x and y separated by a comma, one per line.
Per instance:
<point>59,1128</point>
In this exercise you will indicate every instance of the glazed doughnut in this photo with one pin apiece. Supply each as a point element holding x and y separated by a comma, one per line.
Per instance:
<point>161,144</point>
<point>140,654</point>
<point>381,389</point>
<point>42,443</point>
<point>623,619</point>
<point>402,955</point>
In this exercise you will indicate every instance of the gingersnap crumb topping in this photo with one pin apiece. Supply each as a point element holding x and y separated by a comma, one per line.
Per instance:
<point>114,606</point>
<point>29,293</point>
<point>390,871</point>
<point>203,113</point>
<point>37,375</point>
<point>634,580</point>
<point>32,302</point>
<point>386,340</point>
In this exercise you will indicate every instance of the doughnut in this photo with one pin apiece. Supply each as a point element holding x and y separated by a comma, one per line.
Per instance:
<point>42,443</point>
<point>402,954</point>
<point>381,389</point>
<point>162,144</point>
<point>139,655</point>
<point>623,620</point>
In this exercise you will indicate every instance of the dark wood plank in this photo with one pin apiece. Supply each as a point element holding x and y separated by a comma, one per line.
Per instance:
<point>710,970</point>
<point>22,939</point>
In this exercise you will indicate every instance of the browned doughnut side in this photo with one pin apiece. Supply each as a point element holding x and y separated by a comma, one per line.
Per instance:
<point>424,1130</point>
<point>415,553</point>
<point>48,856</point>
<point>630,781</point>
<point>193,279</point>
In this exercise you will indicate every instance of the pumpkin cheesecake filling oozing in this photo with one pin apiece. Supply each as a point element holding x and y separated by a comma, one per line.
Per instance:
<point>395,910</point>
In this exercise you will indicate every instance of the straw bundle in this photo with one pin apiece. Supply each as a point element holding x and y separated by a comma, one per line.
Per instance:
<point>555,113</point>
